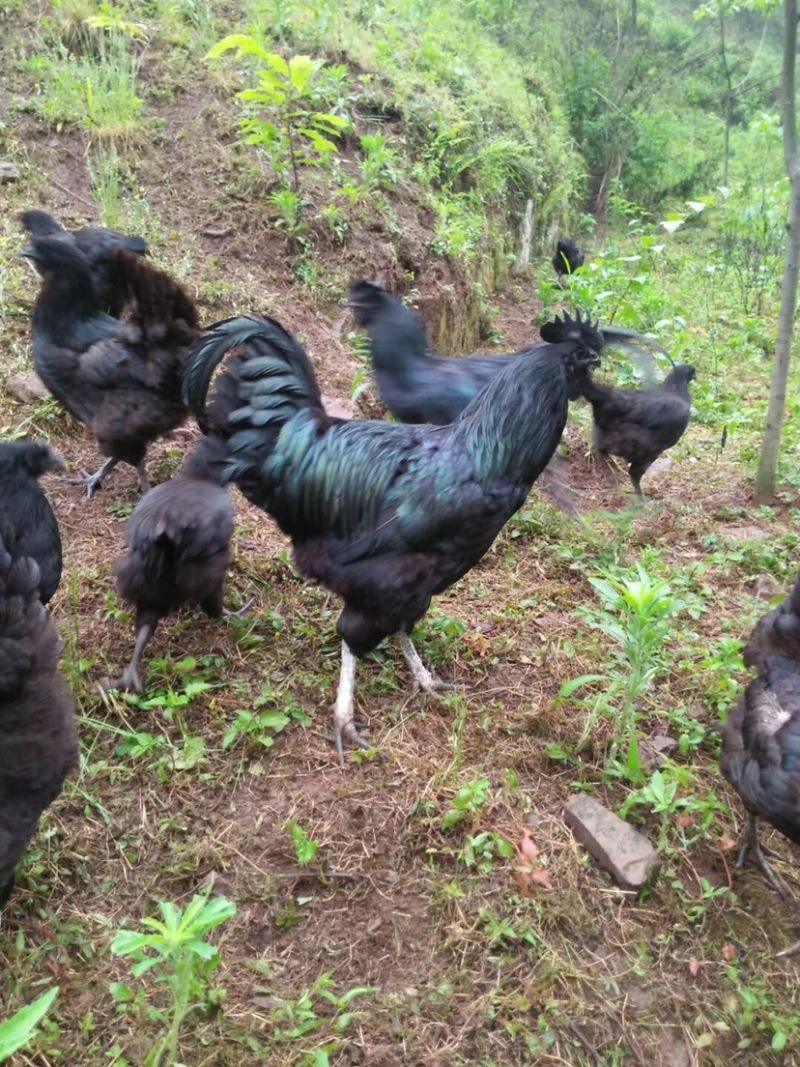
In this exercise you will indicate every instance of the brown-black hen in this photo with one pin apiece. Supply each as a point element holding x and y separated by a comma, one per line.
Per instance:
<point>567,259</point>
<point>38,746</point>
<point>385,515</point>
<point>761,737</point>
<point>32,526</point>
<point>121,379</point>
<point>97,244</point>
<point>178,548</point>
<point>639,424</point>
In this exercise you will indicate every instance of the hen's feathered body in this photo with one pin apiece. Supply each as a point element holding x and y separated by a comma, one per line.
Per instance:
<point>38,746</point>
<point>97,245</point>
<point>415,384</point>
<point>639,424</point>
<point>568,257</point>
<point>121,379</point>
<point>385,515</point>
<point>761,736</point>
<point>32,529</point>
<point>179,551</point>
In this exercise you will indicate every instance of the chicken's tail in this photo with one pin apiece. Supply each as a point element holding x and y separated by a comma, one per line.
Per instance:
<point>23,619</point>
<point>266,386</point>
<point>161,306</point>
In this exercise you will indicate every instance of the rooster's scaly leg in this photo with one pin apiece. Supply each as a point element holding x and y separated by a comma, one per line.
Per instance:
<point>423,679</point>
<point>343,725</point>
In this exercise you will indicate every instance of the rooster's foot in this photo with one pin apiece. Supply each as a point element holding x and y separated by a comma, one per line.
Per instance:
<point>423,679</point>
<point>751,846</point>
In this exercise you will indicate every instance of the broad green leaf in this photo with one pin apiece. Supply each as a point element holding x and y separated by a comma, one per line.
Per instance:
<point>568,688</point>
<point>278,63</point>
<point>244,45</point>
<point>301,71</point>
<point>20,1028</point>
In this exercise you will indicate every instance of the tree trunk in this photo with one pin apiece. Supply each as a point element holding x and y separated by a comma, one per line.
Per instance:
<point>526,238</point>
<point>768,462</point>
<point>728,97</point>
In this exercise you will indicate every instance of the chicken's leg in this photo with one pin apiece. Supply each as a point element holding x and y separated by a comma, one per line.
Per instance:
<point>129,679</point>
<point>94,481</point>
<point>423,679</point>
<point>144,481</point>
<point>752,845</point>
<point>343,725</point>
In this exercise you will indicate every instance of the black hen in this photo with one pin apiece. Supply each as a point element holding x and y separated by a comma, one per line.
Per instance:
<point>415,384</point>
<point>382,514</point>
<point>178,548</point>
<point>639,424</point>
<point>97,244</point>
<point>761,737</point>
<point>38,747</point>
<point>121,379</point>
<point>32,526</point>
<point>567,259</point>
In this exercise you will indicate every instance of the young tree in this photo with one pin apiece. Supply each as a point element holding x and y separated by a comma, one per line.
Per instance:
<point>768,463</point>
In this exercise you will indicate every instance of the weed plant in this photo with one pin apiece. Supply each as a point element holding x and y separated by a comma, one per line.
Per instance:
<point>179,961</point>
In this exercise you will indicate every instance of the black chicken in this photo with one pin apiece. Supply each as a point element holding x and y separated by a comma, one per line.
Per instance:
<point>639,424</point>
<point>761,737</point>
<point>415,384</point>
<point>38,747</point>
<point>97,244</point>
<point>32,527</point>
<point>567,259</point>
<point>382,514</point>
<point>178,548</point>
<point>121,379</point>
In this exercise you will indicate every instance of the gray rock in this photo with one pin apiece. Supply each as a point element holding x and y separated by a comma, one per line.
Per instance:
<point>767,588</point>
<point>744,533</point>
<point>26,387</point>
<point>8,172</point>
<point>630,858</point>
<point>339,409</point>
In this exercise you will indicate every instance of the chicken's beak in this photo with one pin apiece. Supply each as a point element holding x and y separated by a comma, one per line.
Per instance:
<point>28,252</point>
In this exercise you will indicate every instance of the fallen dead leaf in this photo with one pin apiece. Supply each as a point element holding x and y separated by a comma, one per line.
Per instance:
<point>726,843</point>
<point>478,644</point>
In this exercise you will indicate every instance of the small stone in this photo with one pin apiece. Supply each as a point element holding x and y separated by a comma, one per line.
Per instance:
<point>8,172</point>
<point>767,588</point>
<point>339,409</point>
<point>744,533</point>
<point>657,749</point>
<point>26,387</point>
<point>631,859</point>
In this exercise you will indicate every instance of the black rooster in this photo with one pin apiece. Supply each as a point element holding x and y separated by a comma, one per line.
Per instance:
<point>567,259</point>
<point>97,244</point>
<point>32,529</point>
<point>761,737</point>
<point>121,379</point>
<point>178,548</point>
<point>639,424</point>
<point>382,514</point>
<point>38,747</point>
